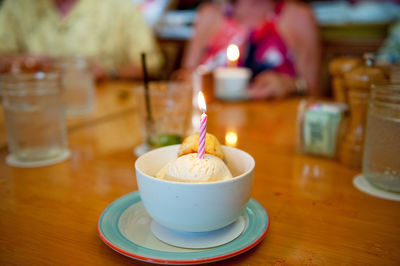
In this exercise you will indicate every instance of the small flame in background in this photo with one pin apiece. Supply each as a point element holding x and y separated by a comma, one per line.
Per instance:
<point>232,52</point>
<point>202,102</point>
<point>231,138</point>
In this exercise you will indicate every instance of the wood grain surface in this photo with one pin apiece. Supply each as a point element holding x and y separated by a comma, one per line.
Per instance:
<point>48,215</point>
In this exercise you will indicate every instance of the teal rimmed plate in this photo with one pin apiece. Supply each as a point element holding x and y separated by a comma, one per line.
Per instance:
<point>124,226</point>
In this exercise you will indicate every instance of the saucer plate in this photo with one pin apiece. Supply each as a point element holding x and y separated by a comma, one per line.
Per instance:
<point>125,226</point>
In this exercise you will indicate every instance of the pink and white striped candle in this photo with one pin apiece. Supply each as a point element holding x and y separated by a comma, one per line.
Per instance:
<point>203,126</point>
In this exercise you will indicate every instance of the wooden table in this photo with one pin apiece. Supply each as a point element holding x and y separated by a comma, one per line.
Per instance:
<point>48,215</point>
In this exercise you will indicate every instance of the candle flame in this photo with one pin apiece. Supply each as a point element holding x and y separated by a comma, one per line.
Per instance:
<point>231,138</point>
<point>202,102</point>
<point>232,52</point>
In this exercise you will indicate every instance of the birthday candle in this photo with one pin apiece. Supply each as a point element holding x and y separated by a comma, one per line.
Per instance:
<point>203,126</point>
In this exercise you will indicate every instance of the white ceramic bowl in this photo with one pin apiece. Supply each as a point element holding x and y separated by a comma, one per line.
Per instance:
<point>194,207</point>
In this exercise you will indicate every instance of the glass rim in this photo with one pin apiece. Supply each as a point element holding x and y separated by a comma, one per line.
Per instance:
<point>20,84</point>
<point>80,62</point>
<point>160,87</point>
<point>34,76</point>
<point>386,85</point>
<point>163,82</point>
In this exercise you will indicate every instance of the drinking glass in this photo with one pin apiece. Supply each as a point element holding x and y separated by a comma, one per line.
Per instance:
<point>381,160</point>
<point>34,115</point>
<point>168,118</point>
<point>78,84</point>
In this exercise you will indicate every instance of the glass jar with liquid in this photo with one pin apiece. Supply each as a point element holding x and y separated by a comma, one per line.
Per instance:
<point>381,160</point>
<point>34,115</point>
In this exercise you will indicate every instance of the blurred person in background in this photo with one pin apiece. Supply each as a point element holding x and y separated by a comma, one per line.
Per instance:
<point>111,33</point>
<point>389,53</point>
<point>280,41</point>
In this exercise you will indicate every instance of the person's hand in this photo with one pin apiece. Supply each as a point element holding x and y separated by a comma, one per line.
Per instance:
<point>272,85</point>
<point>99,72</point>
<point>25,63</point>
<point>182,74</point>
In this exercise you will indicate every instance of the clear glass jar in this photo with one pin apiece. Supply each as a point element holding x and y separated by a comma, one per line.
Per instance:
<point>34,115</point>
<point>167,118</point>
<point>381,160</point>
<point>78,85</point>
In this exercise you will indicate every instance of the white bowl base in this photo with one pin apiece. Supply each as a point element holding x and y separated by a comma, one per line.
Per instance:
<point>198,240</point>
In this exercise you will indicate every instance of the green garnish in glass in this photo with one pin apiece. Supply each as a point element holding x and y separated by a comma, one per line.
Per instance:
<point>165,140</point>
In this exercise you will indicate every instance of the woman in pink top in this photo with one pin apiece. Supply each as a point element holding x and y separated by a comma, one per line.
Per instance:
<point>278,40</point>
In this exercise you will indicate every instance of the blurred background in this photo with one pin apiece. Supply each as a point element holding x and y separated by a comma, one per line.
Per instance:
<point>345,28</point>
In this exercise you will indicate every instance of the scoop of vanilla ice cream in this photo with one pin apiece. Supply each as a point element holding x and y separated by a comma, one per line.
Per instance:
<point>189,168</point>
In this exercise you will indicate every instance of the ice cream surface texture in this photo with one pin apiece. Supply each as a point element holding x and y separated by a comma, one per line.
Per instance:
<point>191,144</point>
<point>189,168</point>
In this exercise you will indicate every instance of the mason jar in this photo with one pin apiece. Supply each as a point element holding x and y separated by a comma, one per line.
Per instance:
<point>381,160</point>
<point>34,115</point>
<point>78,84</point>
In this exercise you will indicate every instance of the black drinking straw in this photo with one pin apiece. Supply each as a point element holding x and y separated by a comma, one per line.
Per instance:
<point>146,88</point>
